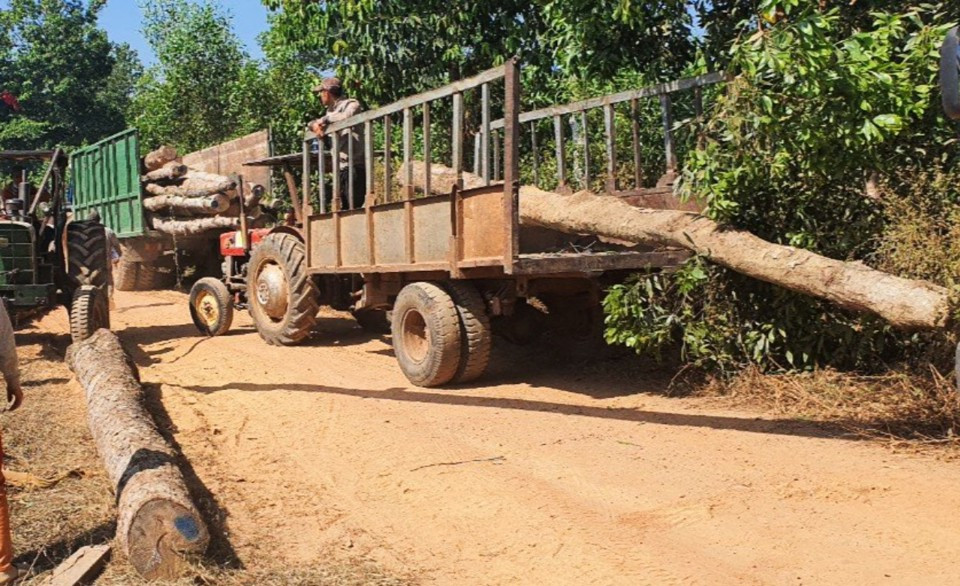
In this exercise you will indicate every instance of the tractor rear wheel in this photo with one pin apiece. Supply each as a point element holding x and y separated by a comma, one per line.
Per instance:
<point>87,256</point>
<point>426,334</point>
<point>211,306</point>
<point>281,296</point>
<point>88,312</point>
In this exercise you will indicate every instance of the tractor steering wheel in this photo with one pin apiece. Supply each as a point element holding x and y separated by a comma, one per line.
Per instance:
<point>950,74</point>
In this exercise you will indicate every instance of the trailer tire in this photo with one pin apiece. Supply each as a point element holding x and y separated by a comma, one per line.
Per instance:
<point>426,334</point>
<point>87,262</point>
<point>88,312</point>
<point>211,306</point>
<point>281,296</point>
<point>125,278</point>
<point>476,337</point>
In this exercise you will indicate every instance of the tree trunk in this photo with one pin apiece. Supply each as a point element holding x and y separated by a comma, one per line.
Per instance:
<point>213,204</point>
<point>158,525</point>
<point>167,172</point>
<point>905,303</point>
<point>182,191</point>
<point>192,227</point>
<point>159,157</point>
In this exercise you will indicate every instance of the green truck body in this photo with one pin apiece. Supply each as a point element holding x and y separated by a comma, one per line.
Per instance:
<point>106,177</point>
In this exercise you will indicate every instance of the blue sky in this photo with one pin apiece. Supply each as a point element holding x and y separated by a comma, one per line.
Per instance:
<point>121,19</point>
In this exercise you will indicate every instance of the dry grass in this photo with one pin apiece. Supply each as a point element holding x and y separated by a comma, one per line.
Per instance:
<point>907,409</point>
<point>48,437</point>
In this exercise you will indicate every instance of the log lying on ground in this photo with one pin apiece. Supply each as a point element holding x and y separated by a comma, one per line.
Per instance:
<point>212,204</point>
<point>158,525</point>
<point>191,227</point>
<point>167,172</point>
<point>160,157</point>
<point>905,303</point>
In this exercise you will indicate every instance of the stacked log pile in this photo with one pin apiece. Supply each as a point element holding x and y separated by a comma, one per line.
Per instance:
<point>182,201</point>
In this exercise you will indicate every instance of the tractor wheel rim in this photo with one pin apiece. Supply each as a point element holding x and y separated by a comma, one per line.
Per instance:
<point>207,309</point>
<point>416,336</point>
<point>273,292</point>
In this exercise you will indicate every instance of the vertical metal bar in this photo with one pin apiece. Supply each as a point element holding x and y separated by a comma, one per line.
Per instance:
<point>387,171</point>
<point>306,212</point>
<point>352,199</point>
<point>665,105</point>
<point>585,136</point>
<point>407,153</point>
<point>335,160</point>
<point>496,155</point>
<point>609,131</point>
<point>476,154</point>
<point>511,166</point>
<point>485,133</point>
<point>536,153</point>
<point>458,138</point>
<point>426,148</point>
<point>637,159</point>
<point>698,110</point>
<point>561,166</point>
<point>368,161</point>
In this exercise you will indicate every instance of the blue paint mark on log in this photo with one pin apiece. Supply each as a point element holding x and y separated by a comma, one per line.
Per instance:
<point>187,527</point>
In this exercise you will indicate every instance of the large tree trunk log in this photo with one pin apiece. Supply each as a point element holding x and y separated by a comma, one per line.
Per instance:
<point>442,178</point>
<point>192,227</point>
<point>213,204</point>
<point>165,173</point>
<point>158,525</point>
<point>905,303</point>
<point>182,191</point>
<point>160,157</point>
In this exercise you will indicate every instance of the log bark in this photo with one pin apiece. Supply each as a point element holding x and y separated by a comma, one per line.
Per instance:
<point>158,525</point>
<point>182,191</point>
<point>442,178</point>
<point>192,227</point>
<point>160,157</point>
<point>905,303</point>
<point>165,173</point>
<point>212,204</point>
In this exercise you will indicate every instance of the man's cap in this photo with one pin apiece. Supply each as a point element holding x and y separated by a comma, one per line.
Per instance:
<point>93,216</point>
<point>330,83</point>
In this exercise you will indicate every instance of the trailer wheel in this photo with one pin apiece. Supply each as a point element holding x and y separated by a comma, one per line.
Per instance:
<point>125,278</point>
<point>282,298</point>
<point>476,338</point>
<point>426,334</point>
<point>88,312</point>
<point>211,306</point>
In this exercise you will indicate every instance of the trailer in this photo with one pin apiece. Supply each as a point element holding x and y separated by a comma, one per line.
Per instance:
<point>450,269</point>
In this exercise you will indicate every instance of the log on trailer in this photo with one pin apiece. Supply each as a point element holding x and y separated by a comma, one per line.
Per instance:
<point>182,191</point>
<point>160,157</point>
<point>212,204</point>
<point>191,227</point>
<point>167,172</point>
<point>158,525</point>
<point>905,303</point>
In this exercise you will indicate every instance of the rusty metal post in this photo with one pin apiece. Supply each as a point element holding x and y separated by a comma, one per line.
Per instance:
<point>407,153</point>
<point>457,132</point>
<point>671,154</point>
<point>307,211</point>
<point>368,160</point>
<point>536,154</point>
<point>485,133</point>
<point>335,159</point>
<point>352,199</point>
<point>637,158</point>
<point>321,171</point>
<point>561,165</point>
<point>387,164</point>
<point>426,148</point>
<point>610,132</point>
<point>585,136</point>
<point>511,168</point>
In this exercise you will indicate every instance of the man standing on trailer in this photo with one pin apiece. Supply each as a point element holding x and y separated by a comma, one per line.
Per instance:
<point>340,107</point>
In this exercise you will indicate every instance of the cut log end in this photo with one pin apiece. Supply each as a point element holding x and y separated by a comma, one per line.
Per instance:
<point>164,537</point>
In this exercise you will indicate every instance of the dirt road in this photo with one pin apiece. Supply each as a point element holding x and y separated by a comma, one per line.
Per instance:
<point>551,474</point>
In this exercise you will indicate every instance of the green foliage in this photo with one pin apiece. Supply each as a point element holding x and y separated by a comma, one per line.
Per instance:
<point>73,84</point>
<point>204,88</point>
<point>821,100</point>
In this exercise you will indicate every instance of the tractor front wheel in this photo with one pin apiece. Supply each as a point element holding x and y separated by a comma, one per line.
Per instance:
<point>211,306</point>
<point>88,312</point>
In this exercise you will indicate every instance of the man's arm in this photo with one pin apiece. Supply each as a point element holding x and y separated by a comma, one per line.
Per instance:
<point>351,108</point>
<point>8,360</point>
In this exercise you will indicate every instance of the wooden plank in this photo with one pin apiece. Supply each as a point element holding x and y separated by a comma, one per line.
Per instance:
<point>368,160</point>
<point>80,568</point>
<point>387,163</point>
<point>610,135</point>
<point>637,157</point>
<point>561,165</point>
<point>429,96</point>
<point>485,133</point>
<point>585,143</point>
<point>458,137</point>
<point>668,133</point>
<point>426,148</point>
<point>536,153</point>
<point>647,92</point>
<point>407,153</point>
